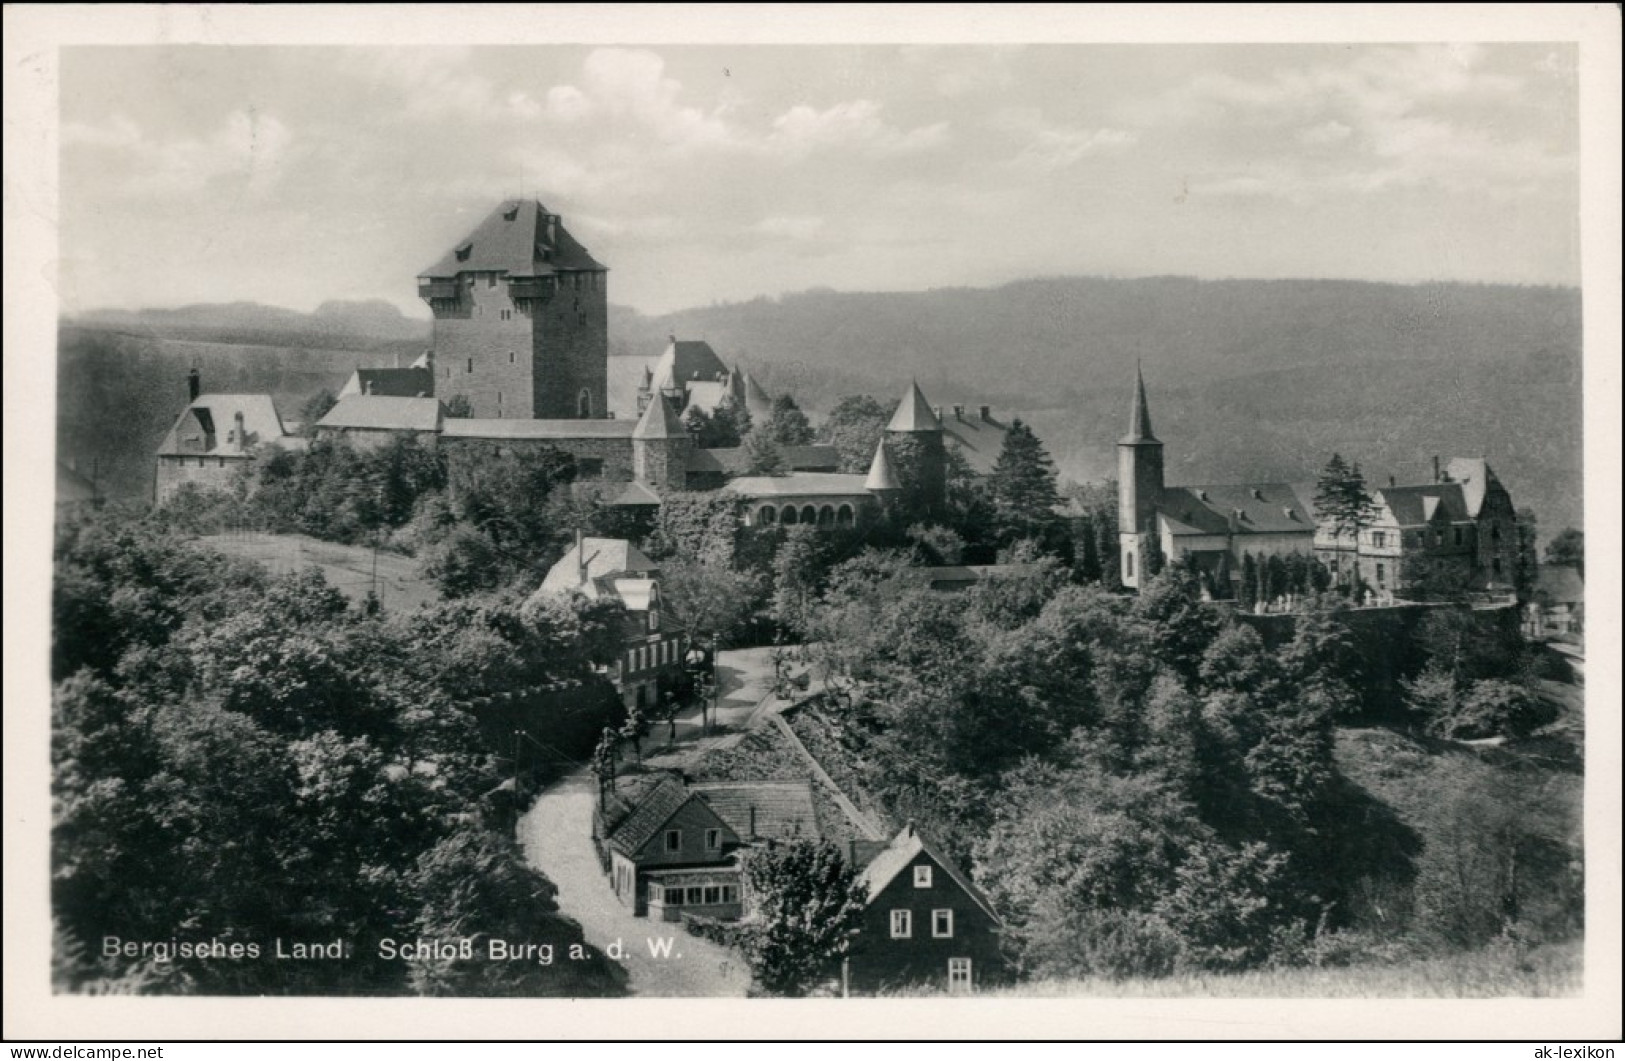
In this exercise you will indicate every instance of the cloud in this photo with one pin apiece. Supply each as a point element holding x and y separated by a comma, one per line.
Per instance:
<point>631,85</point>
<point>1046,148</point>
<point>1327,132</point>
<point>791,227</point>
<point>857,124</point>
<point>435,83</point>
<point>250,147</point>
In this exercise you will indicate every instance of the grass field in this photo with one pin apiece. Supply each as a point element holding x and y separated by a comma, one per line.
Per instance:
<point>349,568</point>
<point>1493,972</point>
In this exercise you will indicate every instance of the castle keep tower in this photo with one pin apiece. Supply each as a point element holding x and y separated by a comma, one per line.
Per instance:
<point>520,319</point>
<point>1139,488</point>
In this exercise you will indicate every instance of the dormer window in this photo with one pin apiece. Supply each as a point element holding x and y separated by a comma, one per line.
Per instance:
<point>464,251</point>
<point>509,215</point>
<point>654,619</point>
<point>922,876</point>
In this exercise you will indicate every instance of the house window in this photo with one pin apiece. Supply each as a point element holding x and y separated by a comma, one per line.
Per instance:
<point>1379,539</point>
<point>584,404</point>
<point>713,894</point>
<point>730,893</point>
<point>1495,565</point>
<point>922,876</point>
<point>844,516</point>
<point>471,364</point>
<point>942,924</point>
<point>713,839</point>
<point>510,357</point>
<point>959,975</point>
<point>674,840</point>
<point>1382,574</point>
<point>767,515</point>
<point>654,620</point>
<point>1128,565</point>
<point>1495,532</point>
<point>696,895</point>
<point>490,279</point>
<point>789,515</point>
<point>902,924</point>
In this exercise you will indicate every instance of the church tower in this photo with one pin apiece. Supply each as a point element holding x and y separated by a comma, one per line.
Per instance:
<point>1139,489</point>
<point>520,319</point>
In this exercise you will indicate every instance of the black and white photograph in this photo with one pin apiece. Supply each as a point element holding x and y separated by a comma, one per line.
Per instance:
<point>942,513</point>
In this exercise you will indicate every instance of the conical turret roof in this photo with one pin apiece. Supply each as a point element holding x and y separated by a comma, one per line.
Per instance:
<point>881,476</point>
<point>914,413</point>
<point>757,403</point>
<point>1139,428</point>
<point>659,421</point>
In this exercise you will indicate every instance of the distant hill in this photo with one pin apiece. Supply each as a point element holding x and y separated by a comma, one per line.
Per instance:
<point>1249,378</point>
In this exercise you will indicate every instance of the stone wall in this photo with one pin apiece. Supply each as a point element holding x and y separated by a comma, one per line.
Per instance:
<point>570,349</point>
<point>209,473</point>
<point>483,350</point>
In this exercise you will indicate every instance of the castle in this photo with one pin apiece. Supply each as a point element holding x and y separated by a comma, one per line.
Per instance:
<point>520,341</point>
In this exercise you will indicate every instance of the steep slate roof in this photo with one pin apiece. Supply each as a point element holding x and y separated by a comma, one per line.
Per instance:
<point>815,458</point>
<point>757,402</point>
<point>981,441</point>
<point>903,849</point>
<point>1262,508</point>
<point>1474,475</point>
<point>653,810</point>
<point>382,413</point>
<point>783,808</point>
<point>627,494</point>
<point>217,414</point>
<point>513,239</point>
<point>686,361</point>
<point>1416,505</point>
<point>604,557</point>
<point>914,413</point>
<point>659,421</point>
<point>963,576</point>
<point>1139,426</point>
<point>392,382</point>
<point>462,427</point>
<point>799,484</point>
<point>881,476</point>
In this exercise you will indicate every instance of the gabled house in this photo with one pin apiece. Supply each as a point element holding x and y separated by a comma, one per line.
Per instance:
<point>926,923</point>
<point>216,436</point>
<point>673,847</point>
<point>653,646</point>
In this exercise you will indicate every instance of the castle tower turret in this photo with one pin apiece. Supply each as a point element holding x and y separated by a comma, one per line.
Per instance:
<point>919,452</point>
<point>1139,488</point>
<point>521,319</point>
<point>660,447</point>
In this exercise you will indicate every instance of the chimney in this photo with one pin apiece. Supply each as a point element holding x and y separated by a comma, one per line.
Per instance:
<point>852,850</point>
<point>552,229</point>
<point>936,411</point>
<point>672,339</point>
<point>194,384</point>
<point>987,413</point>
<point>242,434</point>
<point>911,827</point>
<point>1435,467</point>
<point>366,388</point>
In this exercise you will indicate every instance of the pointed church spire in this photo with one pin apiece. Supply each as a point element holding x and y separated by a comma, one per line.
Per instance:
<point>1139,428</point>
<point>914,413</point>
<point>659,421</point>
<point>881,477</point>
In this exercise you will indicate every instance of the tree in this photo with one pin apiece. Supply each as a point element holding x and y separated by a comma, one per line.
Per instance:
<point>1344,505</point>
<point>316,407</point>
<point>1023,485</point>
<point>603,763</point>
<point>1568,550</point>
<point>855,426</point>
<point>763,455</point>
<point>1247,592</point>
<point>711,602</point>
<point>787,424</point>
<point>795,578</point>
<point>1526,562</point>
<point>635,728</point>
<point>458,407</point>
<point>722,428</point>
<point>805,901</point>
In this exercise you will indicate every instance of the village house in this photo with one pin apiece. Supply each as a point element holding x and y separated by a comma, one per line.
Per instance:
<point>414,382</point>
<point>654,647</point>
<point>925,923</point>
<point>215,437</point>
<point>673,847</point>
<point>1556,605</point>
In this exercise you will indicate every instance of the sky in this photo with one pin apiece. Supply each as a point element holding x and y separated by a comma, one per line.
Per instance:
<point>720,173</point>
